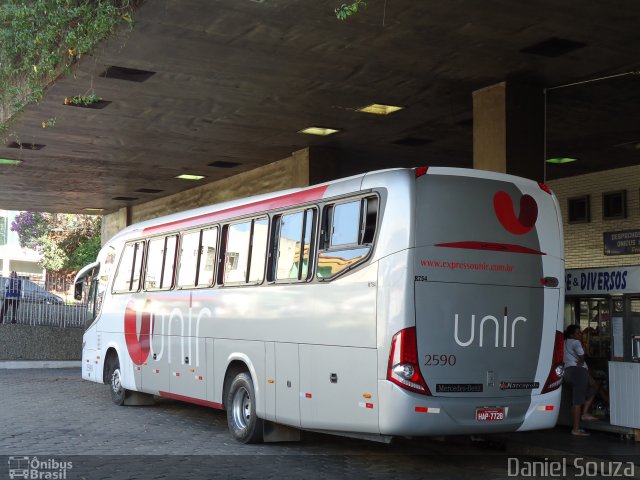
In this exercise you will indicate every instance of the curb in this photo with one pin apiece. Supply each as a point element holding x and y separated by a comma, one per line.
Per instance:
<point>17,365</point>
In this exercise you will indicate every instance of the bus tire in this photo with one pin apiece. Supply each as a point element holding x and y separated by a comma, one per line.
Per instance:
<point>244,424</point>
<point>118,392</point>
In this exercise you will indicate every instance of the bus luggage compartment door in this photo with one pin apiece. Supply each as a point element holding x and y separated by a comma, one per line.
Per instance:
<point>483,340</point>
<point>287,384</point>
<point>339,388</point>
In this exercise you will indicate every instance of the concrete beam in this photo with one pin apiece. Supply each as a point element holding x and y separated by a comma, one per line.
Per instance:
<point>303,168</point>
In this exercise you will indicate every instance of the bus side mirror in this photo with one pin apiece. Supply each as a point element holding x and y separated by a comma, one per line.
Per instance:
<point>77,291</point>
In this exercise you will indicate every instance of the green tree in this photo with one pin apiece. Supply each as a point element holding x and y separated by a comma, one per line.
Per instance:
<point>66,241</point>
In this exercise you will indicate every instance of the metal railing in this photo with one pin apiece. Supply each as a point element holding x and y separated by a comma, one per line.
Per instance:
<point>37,306</point>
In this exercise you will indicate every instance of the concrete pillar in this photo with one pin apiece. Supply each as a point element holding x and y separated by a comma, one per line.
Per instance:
<point>508,129</point>
<point>112,223</point>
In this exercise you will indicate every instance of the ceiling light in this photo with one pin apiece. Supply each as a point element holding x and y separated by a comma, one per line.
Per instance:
<point>190,177</point>
<point>560,160</point>
<point>89,209</point>
<point>378,109</point>
<point>323,132</point>
<point>8,161</point>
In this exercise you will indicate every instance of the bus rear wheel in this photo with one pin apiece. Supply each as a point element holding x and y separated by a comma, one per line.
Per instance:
<point>118,392</point>
<point>244,424</point>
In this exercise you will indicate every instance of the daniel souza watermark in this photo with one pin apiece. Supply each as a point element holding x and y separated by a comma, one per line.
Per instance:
<point>577,466</point>
<point>38,468</point>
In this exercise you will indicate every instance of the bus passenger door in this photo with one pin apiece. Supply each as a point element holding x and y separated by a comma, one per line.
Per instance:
<point>287,384</point>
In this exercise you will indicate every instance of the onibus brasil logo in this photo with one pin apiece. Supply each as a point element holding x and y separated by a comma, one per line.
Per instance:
<point>37,469</point>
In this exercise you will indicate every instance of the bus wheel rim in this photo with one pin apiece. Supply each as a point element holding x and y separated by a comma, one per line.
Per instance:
<point>241,408</point>
<point>115,381</point>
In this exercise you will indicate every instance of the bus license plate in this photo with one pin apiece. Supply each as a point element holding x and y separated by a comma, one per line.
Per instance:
<point>489,414</point>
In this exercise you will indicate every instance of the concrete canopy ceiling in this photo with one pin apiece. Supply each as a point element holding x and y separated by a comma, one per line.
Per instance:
<point>235,80</point>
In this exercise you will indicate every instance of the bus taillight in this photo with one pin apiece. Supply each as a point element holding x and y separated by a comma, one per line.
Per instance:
<point>420,171</point>
<point>545,188</point>
<point>403,369</point>
<point>554,380</point>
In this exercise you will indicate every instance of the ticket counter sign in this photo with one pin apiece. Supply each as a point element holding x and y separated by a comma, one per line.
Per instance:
<point>625,242</point>
<point>602,281</point>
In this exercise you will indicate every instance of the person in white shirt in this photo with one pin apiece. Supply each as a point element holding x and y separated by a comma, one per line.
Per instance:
<point>576,374</point>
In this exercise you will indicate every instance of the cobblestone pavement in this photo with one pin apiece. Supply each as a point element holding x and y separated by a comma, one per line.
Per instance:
<point>55,416</point>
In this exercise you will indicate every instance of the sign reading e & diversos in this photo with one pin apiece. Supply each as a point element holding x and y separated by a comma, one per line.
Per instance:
<point>614,280</point>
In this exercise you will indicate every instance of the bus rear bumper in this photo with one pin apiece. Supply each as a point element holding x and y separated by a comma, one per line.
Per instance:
<point>409,414</point>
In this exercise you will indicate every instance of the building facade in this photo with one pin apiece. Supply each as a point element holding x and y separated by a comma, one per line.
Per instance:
<point>601,210</point>
<point>24,261</point>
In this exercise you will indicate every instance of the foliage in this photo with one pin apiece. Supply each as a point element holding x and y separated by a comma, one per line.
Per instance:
<point>41,39</point>
<point>345,10</point>
<point>54,258</point>
<point>82,100</point>
<point>30,226</point>
<point>85,253</point>
<point>65,241</point>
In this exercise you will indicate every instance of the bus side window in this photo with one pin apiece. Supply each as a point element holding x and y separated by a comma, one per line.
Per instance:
<point>293,245</point>
<point>245,246</point>
<point>207,257</point>
<point>161,257</point>
<point>259,236</point>
<point>189,248</point>
<point>369,220</point>
<point>345,225</point>
<point>130,269</point>
<point>236,255</point>
<point>346,236</point>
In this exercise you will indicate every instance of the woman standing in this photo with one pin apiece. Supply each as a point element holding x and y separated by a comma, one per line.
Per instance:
<point>576,374</point>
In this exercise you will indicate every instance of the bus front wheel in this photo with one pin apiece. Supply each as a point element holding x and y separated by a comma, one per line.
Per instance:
<point>118,392</point>
<point>244,424</point>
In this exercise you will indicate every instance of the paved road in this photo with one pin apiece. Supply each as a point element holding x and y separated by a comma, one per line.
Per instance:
<point>55,416</point>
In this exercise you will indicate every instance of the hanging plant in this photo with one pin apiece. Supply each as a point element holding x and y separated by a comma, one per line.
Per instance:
<point>84,100</point>
<point>42,39</point>
<point>345,10</point>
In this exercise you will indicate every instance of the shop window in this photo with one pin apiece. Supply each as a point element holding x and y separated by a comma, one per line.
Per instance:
<point>579,209</point>
<point>614,205</point>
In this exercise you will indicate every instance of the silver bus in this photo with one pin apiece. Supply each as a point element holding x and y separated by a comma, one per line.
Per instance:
<point>404,302</point>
